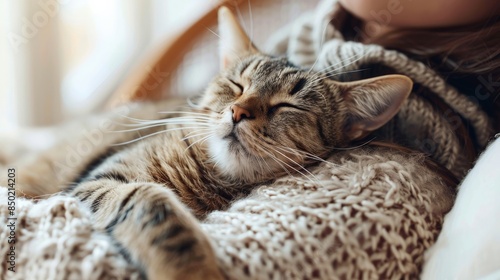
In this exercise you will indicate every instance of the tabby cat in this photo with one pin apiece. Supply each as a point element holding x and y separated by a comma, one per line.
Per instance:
<point>261,117</point>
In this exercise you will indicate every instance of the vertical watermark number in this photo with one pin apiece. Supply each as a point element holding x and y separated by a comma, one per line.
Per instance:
<point>11,219</point>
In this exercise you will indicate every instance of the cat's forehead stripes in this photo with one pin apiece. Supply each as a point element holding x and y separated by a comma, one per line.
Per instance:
<point>251,67</point>
<point>289,71</point>
<point>274,80</point>
<point>244,66</point>
<point>260,63</point>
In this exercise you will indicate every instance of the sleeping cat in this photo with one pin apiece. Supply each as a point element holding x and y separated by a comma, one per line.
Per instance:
<point>260,118</point>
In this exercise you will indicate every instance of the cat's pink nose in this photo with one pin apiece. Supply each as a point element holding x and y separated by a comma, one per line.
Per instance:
<point>240,113</point>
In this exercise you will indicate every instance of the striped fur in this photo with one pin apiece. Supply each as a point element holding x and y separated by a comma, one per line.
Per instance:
<point>149,195</point>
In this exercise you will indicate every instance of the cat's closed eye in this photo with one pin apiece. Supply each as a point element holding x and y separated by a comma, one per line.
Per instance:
<point>272,110</point>
<point>239,88</point>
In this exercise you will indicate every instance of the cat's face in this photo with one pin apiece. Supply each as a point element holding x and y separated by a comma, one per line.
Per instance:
<point>270,117</point>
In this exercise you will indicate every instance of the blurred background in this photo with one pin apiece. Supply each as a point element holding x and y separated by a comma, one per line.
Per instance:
<point>60,59</point>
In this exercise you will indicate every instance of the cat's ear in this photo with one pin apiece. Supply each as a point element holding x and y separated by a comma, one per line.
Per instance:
<point>371,103</point>
<point>234,42</point>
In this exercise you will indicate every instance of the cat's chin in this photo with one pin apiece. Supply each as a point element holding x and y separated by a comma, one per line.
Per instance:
<point>233,160</point>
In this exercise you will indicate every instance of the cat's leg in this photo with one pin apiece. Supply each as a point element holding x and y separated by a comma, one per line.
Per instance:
<point>154,228</point>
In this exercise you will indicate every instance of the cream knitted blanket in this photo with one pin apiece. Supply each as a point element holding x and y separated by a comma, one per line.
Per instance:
<point>368,213</point>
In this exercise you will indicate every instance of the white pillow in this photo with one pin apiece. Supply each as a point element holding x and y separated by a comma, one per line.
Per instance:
<point>468,247</point>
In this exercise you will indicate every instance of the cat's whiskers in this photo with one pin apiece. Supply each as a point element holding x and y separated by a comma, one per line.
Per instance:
<point>235,53</point>
<point>240,17</point>
<point>332,73</point>
<point>282,162</point>
<point>304,153</point>
<point>185,112</point>
<point>186,123</point>
<point>315,157</point>
<point>299,165</point>
<point>260,145</point>
<point>265,161</point>
<point>174,120</point>
<point>260,160</point>
<point>188,115</point>
<point>322,96</point>
<point>321,45</point>
<point>149,135</point>
<point>139,120</point>
<point>201,139</point>
<point>293,168</point>
<point>356,58</point>
<point>161,124</point>
<point>179,126</point>
<point>204,140</point>
<point>214,33</point>
<point>251,22</point>
<point>155,123</point>
<point>329,76</point>
<point>273,157</point>
<point>320,72</point>
<point>198,134</point>
<point>323,74</point>
<point>354,147</point>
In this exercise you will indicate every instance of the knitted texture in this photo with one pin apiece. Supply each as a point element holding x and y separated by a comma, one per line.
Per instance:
<point>368,214</point>
<point>55,240</point>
